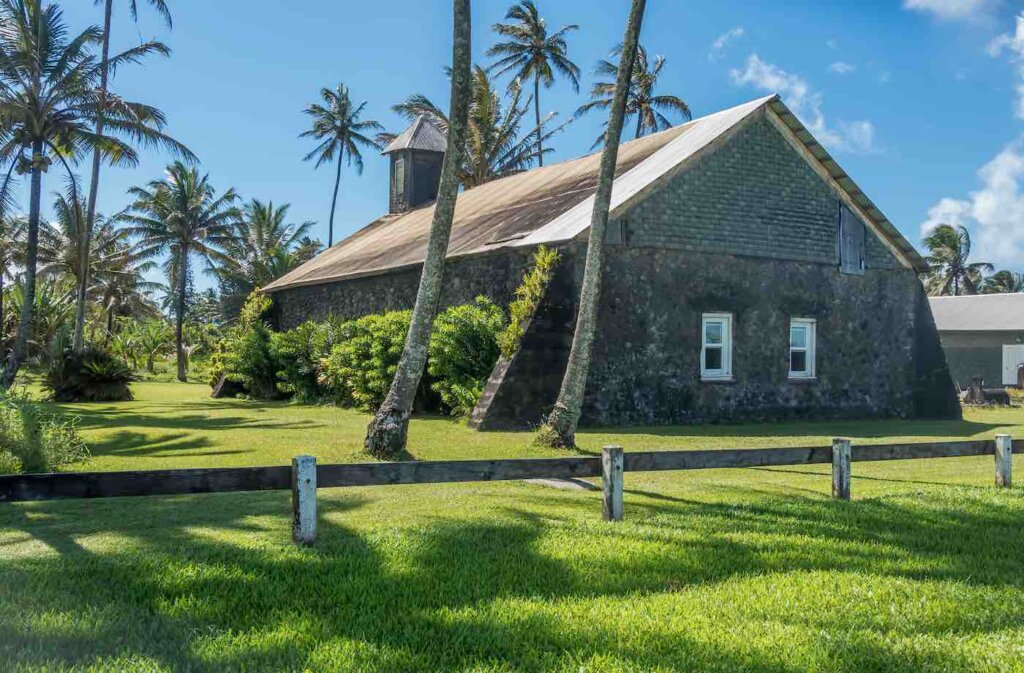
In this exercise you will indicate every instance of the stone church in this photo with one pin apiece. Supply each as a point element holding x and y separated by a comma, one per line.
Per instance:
<point>747,277</point>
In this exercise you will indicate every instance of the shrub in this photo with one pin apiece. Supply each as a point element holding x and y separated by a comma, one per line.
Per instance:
<point>463,350</point>
<point>365,357</point>
<point>32,440</point>
<point>248,358</point>
<point>298,353</point>
<point>93,375</point>
<point>529,295</point>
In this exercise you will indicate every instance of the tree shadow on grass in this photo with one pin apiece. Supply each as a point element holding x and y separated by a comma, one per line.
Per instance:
<point>187,591</point>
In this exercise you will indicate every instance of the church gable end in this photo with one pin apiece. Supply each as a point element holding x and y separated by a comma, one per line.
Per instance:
<point>755,196</point>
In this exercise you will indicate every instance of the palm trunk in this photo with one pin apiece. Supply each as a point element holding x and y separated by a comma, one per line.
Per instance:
<point>334,203</point>
<point>536,115</point>
<point>17,355</point>
<point>179,350</point>
<point>81,304</point>
<point>3,323</point>
<point>566,413</point>
<point>639,124</point>
<point>387,433</point>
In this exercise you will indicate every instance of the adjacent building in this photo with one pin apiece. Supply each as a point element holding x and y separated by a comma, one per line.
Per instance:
<point>747,278</point>
<point>982,335</point>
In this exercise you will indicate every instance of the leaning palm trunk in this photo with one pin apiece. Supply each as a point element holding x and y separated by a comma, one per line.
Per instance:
<point>179,324</point>
<point>94,184</point>
<point>386,436</point>
<point>536,115</point>
<point>17,355</point>
<point>566,413</point>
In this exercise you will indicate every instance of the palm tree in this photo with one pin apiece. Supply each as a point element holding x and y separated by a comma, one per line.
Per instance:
<point>340,132</point>
<point>1004,281</point>
<point>260,248</point>
<point>94,184</point>
<point>388,431</point>
<point>12,235</point>
<point>531,53</point>
<point>181,215</point>
<point>642,101</point>
<point>493,147</point>
<point>49,103</point>
<point>561,424</point>
<point>952,274</point>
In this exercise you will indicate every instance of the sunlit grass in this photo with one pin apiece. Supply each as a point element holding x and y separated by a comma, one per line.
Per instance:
<point>727,570</point>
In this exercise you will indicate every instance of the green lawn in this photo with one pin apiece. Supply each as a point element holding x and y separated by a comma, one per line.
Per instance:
<point>726,570</point>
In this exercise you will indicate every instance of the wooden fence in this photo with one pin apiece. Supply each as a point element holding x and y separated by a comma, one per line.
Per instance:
<point>305,476</point>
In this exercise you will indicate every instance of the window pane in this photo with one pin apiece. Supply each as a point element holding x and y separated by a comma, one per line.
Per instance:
<point>798,362</point>
<point>712,359</point>
<point>713,333</point>
<point>798,336</point>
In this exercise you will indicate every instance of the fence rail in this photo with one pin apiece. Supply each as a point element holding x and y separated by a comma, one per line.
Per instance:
<point>305,476</point>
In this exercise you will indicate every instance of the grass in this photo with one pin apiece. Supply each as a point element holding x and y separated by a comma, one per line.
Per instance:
<point>719,570</point>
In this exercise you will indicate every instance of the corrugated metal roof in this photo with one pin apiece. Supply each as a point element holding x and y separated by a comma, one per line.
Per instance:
<point>422,134</point>
<point>979,313</point>
<point>553,204</point>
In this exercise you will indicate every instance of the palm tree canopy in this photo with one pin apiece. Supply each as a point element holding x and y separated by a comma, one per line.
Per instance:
<point>530,52</point>
<point>49,92</point>
<point>949,248</point>
<point>338,127</point>
<point>495,144</point>
<point>1004,281</point>
<point>182,211</point>
<point>642,101</point>
<point>12,236</point>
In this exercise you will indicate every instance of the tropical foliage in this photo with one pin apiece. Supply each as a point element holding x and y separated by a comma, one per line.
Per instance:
<point>949,250</point>
<point>650,109</point>
<point>93,374</point>
<point>35,440</point>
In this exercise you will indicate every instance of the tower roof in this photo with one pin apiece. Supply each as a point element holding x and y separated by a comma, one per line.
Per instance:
<point>422,134</point>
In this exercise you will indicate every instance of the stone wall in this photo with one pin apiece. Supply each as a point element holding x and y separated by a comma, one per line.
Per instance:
<point>495,276</point>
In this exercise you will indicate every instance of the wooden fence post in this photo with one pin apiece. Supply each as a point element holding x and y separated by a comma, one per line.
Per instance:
<point>841,468</point>
<point>1004,461</point>
<point>304,499</point>
<point>611,481</point>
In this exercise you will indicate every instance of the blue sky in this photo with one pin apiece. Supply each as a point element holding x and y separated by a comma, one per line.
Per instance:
<point>920,100</point>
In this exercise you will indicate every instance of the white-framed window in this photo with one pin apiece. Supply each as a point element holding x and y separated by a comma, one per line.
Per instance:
<point>802,348</point>
<point>716,346</point>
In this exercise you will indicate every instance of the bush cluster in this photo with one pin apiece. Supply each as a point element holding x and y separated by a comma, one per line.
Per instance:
<point>32,440</point>
<point>352,363</point>
<point>92,375</point>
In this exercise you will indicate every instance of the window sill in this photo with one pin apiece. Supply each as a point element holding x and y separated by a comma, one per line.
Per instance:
<point>802,379</point>
<point>716,379</point>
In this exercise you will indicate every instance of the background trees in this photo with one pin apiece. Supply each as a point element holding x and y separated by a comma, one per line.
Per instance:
<point>182,216</point>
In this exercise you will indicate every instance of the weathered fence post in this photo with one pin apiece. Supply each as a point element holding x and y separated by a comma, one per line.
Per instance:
<point>1004,461</point>
<point>611,480</point>
<point>841,468</point>
<point>304,499</point>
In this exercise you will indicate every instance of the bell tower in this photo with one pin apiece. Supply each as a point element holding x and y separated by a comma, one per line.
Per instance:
<point>416,158</point>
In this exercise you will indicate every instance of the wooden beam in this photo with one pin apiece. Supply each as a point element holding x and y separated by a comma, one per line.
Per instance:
<point>1004,461</point>
<point>140,483</point>
<point>436,472</point>
<point>304,500</point>
<point>611,482</point>
<point>841,469</point>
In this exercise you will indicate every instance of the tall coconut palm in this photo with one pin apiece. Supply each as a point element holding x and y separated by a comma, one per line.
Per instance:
<point>260,248</point>
<point>388,431</point>
<point>648,107</point>
<point>561,424</point>
<point>494,147</point>
<point>180,216</point>
<point>949,248</point>
<point>49,102</point>
<point>531,53</point>
<point>83,283</point>
<point>1004,281</point>
<point>341,132</point>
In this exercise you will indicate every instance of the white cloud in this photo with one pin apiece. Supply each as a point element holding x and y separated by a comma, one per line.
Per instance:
<point>723,40</point>
<point>857,137</point>
<point>832,44</point>
<point>994,213</point>
<point>841,68</point>
<point>1012,44</point>
<point>951,9</point>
